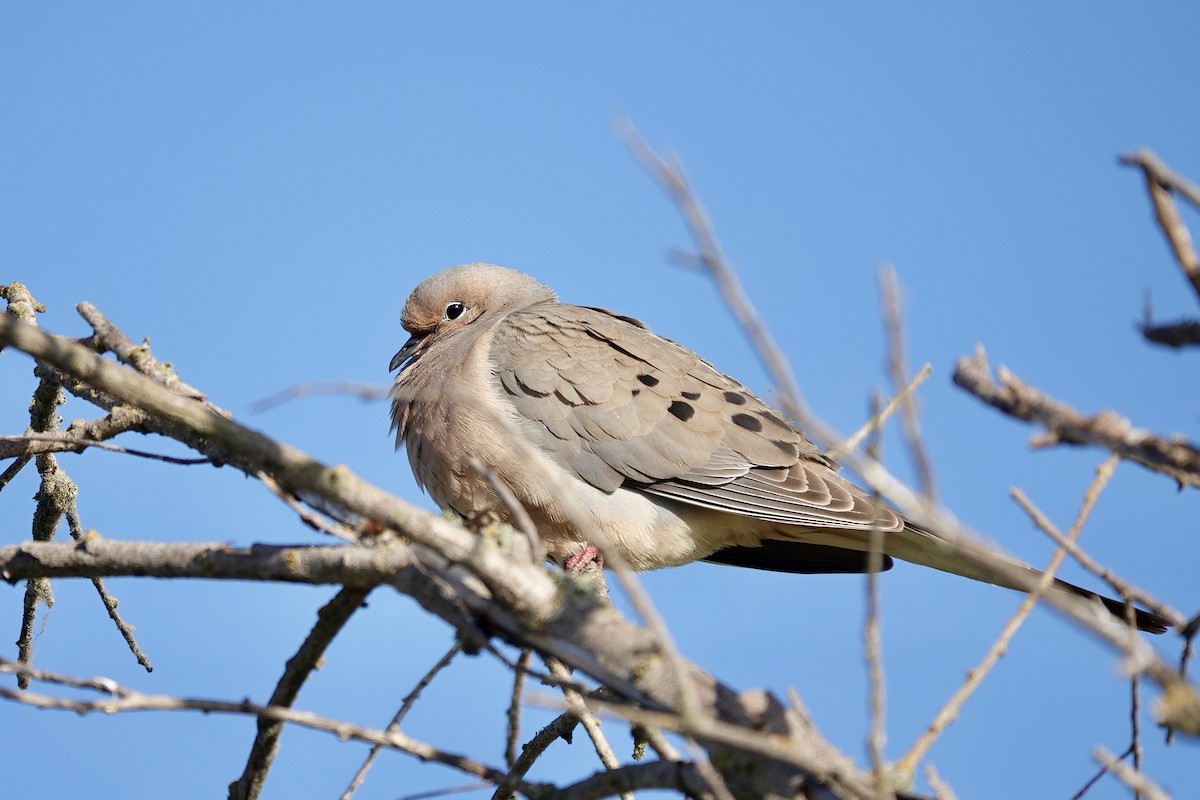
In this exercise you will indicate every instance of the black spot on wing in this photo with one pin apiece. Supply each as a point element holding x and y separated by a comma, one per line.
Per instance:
<point>748,422</point>
<point>735,398</point>
<point>774,418</point>
<point>683,411</point>
<point>691,395</point>
<point>648,380</point>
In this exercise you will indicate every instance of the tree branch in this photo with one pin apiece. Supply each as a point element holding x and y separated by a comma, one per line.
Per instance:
<point>1175,457</point>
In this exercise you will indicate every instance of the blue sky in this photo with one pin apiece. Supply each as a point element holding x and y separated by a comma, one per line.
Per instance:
<point>257,187</point>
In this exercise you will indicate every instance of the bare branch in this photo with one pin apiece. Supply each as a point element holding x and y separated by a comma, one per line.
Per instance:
<point>122,699</point>
<point>941,789</point>
<point>1160,183</point>
<point>55,499</point>
<point>405,706</point>
<point>898,369</point>
<point>1122,587</point>
<point>518,514</point>
<point>873,641</point>
<point>514,707</point>
<point>364,391</point>
<point>109,337</point>
<point>63,441</point>
<point>671,177</point>
<point>330,620</point>
<point>948,713</point>
<point>595,732</point>
<point>1131,777</point>
<point>876,421</point>
<point>1175,457</point>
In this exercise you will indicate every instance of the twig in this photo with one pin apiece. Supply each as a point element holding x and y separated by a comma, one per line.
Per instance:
<point>109,337</point>
<point>851,443</point>
<point>64,442</point>
<point>1175,457</point>
<point>55,491</point>
<point>123,699</point>
<point>1160,182</point>
<point>1135,708</point>
<point>364,391</point>
<point>1092,781</point>
<point>314,520</point>
<point>671,177</point>
<point>12,469</point>
<point>332,617</point>
<point>948,713</point>
<point>55,498</point>
<point>873,645</point>
<point>910,423</point>
<point>586,718</point>
<point>562,727</point>
<point>517,513</point>
<point>941,789</point>
<point>405,706</point>
<point>709,254</point>
<point>1131,777</point>
<point>1122,587</point>
<point>514,707</point>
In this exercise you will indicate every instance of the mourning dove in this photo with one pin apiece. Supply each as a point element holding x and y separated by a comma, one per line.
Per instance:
<point>607,433</point>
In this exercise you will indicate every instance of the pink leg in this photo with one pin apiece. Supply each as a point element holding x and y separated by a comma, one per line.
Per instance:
<point>578,563</point>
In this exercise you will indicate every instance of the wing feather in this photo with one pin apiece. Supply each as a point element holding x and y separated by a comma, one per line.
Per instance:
<point>619,405</point>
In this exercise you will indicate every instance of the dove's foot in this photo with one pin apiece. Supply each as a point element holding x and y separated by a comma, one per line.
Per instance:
<point>577,564</point>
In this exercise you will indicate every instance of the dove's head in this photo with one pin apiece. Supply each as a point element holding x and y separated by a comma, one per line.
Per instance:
<point>450,302</point>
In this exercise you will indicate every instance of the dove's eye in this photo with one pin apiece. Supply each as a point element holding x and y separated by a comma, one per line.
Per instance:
<point>454,310</point>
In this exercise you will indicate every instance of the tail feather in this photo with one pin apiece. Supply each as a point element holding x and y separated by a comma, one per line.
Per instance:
<point>919,546</point>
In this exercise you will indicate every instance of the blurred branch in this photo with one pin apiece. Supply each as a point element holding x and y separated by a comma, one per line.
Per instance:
<point>949,712</point>
<point>1162,184</point>
<point>1129,776</point>
<point>889,291</point>
<point>876,421</point>
<point>1122,587</point>
<point>670,176</point>
<point>364,391</point>
<point>1175,457</point>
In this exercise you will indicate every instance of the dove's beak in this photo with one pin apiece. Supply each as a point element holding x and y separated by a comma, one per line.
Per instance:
<point>407,352</point>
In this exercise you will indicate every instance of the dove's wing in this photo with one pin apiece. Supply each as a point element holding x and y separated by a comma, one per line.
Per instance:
<point>621,406</point>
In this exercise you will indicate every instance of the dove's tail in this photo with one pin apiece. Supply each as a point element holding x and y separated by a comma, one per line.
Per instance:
<point>919,546</point>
